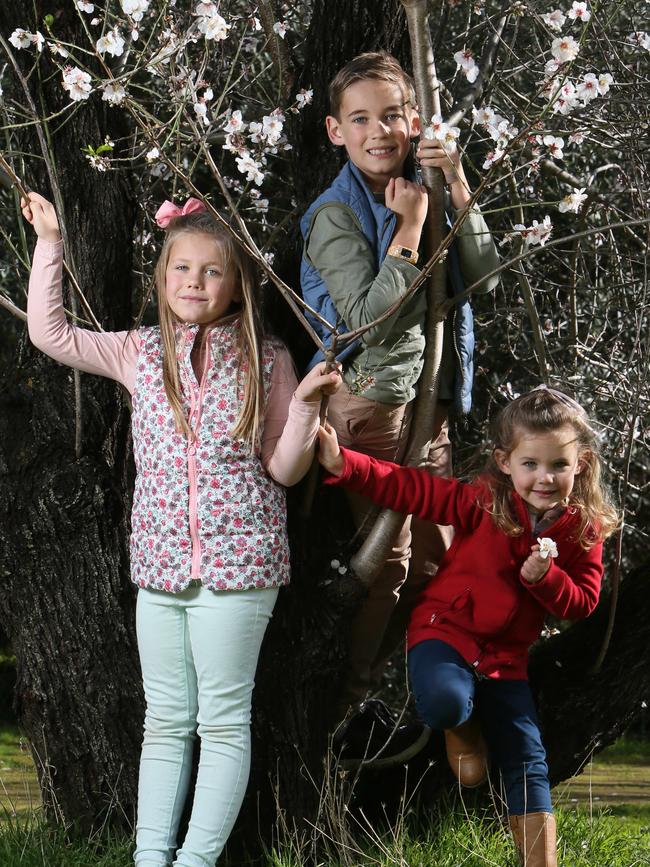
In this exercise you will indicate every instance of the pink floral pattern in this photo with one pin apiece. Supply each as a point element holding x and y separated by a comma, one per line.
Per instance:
<point>228,527</point>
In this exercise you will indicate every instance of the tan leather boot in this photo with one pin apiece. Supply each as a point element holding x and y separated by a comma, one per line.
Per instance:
<point>466,753</point>
<point>534,835</point>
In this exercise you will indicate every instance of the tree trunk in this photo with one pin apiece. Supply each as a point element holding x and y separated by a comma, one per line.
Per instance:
<point>65,600</point>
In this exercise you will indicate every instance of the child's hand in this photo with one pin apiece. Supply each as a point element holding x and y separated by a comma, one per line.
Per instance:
<point>317,383</point>
<point>410,202</point>
<point>431,153</point>
<point>41,214</point>
<point>329,453</point>
<point>535,566</point>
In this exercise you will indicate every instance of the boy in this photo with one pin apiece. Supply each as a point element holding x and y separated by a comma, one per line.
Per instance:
<point>361,239</point>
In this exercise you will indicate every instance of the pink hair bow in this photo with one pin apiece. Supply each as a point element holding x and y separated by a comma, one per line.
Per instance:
<point>168,210</point>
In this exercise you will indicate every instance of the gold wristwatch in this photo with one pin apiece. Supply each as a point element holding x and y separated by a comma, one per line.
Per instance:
<point>404,253</point>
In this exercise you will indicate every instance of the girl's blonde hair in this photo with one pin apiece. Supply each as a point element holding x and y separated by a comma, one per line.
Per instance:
<point>540,411</point>
<point>240,268</point>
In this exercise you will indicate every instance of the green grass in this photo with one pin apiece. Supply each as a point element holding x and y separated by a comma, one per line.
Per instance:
<point>449,840</point>
<point>603,820</point>
<point>19,792</point>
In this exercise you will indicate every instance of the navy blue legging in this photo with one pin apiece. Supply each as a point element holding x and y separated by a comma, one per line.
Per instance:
<point>446,689</point>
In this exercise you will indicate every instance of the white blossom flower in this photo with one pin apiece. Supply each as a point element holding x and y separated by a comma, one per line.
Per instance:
<point>268,258</point>
<point>112,43</point>
<point>579,11</point>
<point>435,128</point>
<point>272,127</point>
<point>214,27</point>
<point>201,111</point>
<point>483,115</point>
<point>113,93</point>
<point>605,81</point>
<point>235,122</point>
<point>235,143</point>
<point>465,61</point>
<point>547,547</point>
<point>577,137</point>
<point>551,67</point>
<point>567,99</point>
<point>95,21</point>
<point>208,10</point>
<point>20,38</point>
<point>135,9</point>
<point>537,233</point>
<point>261,205</point>
<point>57,48</point>
<point>152,155</point>
<point>449,139</point>
<point>554,146</point>
<point>573,202</point>
<point>248,166</point>
<point>304,97</point>
<point>77,83</point>
<point>82,6</point>
<point>335,564</point>
<point>565,48</point>
<point>38,40</point>
<point>587,89</point>
<point>257,25</point>
<point>555,20</point>
<point>640,37</point>
<point>492,158</point>
<point>256,133</point>
<point>280,27</point>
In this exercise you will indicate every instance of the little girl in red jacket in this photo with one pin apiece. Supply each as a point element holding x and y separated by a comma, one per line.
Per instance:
<point>528,542</point>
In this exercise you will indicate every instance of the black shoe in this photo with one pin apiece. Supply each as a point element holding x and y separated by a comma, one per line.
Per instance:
<point>372,738</point>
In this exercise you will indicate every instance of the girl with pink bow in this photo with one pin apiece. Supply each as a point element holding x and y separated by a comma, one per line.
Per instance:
<point>220,427</point>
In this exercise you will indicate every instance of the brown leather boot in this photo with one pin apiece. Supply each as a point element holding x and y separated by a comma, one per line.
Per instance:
<point>466,753</point>
<point>534,835</point>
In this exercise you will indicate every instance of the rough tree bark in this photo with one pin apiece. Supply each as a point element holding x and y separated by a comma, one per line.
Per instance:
<point>65,602</point>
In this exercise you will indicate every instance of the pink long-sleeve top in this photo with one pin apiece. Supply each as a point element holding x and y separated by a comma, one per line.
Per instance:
<point>290,424</point>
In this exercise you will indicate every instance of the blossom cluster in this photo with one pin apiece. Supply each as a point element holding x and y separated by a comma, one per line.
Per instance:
<point>267,135</point>
<point>537,233</point>
<point>440,131</point>
<point>568,95</point>
<point>500,130</point>
<point>557,19</point>
<point>210,23</point>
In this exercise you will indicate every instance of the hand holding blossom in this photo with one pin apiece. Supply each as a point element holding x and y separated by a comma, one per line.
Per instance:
<point>539,561</point>
<point>329,453</point>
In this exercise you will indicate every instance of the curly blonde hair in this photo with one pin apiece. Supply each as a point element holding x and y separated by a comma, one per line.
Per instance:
<point>245,276</point>
<point>540,411</point>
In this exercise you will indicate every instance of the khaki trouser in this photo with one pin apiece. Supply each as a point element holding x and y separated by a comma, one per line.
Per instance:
<point>381,431</point>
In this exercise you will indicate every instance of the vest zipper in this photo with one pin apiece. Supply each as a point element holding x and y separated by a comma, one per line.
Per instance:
<point>196,408</point>
<point>457,351</point>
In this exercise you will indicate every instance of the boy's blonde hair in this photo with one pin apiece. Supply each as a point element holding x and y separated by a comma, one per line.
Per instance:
<point>372,65</point>
<point>242,270</point>
<point>540,411</point>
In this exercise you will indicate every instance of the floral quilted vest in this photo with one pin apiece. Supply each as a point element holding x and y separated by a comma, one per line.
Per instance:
<point>204,509</point>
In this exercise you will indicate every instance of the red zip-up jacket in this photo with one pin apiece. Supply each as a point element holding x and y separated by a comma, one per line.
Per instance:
<point>478,602</point>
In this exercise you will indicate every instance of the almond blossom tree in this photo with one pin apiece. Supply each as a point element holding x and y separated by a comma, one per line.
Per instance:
<point>111,107</point>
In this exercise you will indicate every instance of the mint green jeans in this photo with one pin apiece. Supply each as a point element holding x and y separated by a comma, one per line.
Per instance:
<point>198,651</point>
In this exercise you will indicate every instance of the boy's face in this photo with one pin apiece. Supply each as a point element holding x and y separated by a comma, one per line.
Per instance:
<point>376,128</point>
